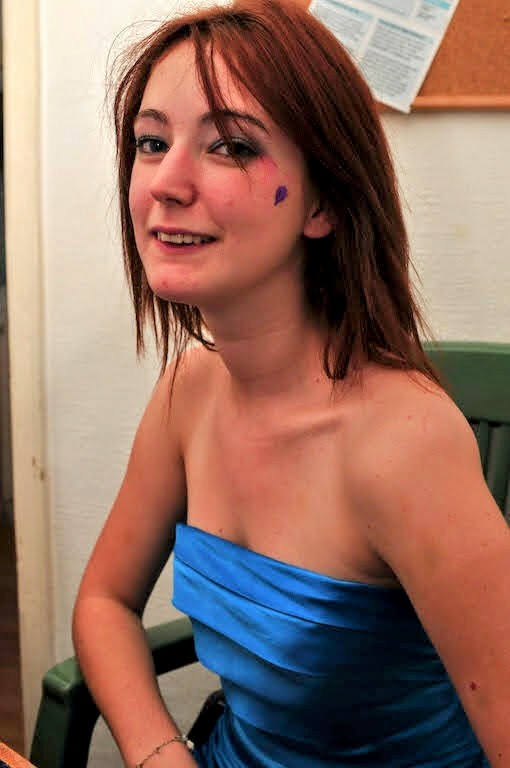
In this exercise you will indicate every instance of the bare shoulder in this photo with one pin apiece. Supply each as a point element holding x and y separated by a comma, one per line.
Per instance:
<point>171,413</point>
<point>155,470</point>
<point>153,493</point>
<point>195,368</point>
<point>414,456</point>
<point>406,418</point>
<point>416,484</point>
<point>193,380</point>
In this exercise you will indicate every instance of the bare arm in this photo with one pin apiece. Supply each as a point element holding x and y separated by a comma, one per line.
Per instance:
<point>130,553</point>
<point>429,514</point>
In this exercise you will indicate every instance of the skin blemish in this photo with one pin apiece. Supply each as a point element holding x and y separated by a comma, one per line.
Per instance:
<point>281,194</point>
<point>473,686</point>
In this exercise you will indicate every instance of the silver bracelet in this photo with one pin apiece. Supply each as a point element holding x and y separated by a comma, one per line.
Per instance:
<point>182,739</point>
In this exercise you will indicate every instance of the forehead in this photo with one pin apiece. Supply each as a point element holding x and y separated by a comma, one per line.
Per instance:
<point>176,73</point>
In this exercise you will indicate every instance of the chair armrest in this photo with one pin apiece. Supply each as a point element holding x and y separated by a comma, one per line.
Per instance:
<point>67,713</point>
<point>172,645</point>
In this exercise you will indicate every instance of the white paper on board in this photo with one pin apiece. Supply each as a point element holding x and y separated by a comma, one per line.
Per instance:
<point>393,42</point>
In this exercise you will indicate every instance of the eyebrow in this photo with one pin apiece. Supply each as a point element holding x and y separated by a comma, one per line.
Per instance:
<point>229,114</point>
<point>151,114</point>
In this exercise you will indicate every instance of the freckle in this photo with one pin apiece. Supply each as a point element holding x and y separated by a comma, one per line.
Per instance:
<point>281,194</point>
<point>473,686</point>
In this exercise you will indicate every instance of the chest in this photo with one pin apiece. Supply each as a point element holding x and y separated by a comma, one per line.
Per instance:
<point>274,485</point>
<point>250,463</point>
<point>275,482</point>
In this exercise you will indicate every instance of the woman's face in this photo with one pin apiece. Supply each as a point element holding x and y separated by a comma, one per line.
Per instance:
<point>207,231</point>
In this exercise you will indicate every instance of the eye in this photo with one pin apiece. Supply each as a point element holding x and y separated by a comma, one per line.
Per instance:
<point>236,148</point>
<point>150,145</point>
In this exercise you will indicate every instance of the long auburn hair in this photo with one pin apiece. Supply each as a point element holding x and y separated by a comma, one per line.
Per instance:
<point>356,280</point>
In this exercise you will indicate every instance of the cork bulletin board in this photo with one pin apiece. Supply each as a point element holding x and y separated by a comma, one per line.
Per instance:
<point>472,66</point>
<point>471,69</point>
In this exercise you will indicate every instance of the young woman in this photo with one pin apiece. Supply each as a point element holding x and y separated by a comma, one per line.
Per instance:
<point>336,547</point>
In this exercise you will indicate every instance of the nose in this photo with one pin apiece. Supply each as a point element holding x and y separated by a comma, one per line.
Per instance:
<point>174,180</point>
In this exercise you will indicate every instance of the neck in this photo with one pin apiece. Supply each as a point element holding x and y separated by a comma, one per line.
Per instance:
<point>270,356</point>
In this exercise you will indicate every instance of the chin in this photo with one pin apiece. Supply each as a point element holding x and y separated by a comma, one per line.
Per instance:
<point>170,287</point>
<point>168,293</point>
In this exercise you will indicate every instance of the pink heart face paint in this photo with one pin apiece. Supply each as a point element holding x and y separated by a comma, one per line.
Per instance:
<point>281,194</point>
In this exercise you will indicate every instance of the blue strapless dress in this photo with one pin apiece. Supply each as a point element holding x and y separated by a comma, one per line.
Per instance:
<point>317,672</point>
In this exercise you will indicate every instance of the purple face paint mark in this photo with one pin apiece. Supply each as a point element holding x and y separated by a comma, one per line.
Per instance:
<point>281,194</point>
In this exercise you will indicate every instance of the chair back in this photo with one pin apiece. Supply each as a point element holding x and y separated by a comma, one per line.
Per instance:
<point>477,376</point>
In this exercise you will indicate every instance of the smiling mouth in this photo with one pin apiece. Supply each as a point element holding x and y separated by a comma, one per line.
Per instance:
<point>183,239</point>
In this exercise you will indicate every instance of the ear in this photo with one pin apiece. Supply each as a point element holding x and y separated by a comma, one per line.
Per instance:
<point>319,222</point>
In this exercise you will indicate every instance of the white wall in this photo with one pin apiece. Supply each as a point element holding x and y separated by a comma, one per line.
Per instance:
<point>454,171</point>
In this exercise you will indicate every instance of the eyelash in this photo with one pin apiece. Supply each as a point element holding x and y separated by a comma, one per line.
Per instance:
<point>243,149</point>
<point>146,145</point>
<point>152,145</point>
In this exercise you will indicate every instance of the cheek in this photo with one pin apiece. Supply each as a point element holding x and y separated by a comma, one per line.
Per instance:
<point>135,197</point>
<point>266,176</point>
<point>275,182</point>
<point>263,185</point>
<point>139,197</point>
<point>242,195</point>
<point>131,200</point>
<point>267,165</point>
<point>248,194</point>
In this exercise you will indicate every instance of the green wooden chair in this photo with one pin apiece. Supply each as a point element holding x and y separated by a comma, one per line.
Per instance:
<point>478,378</point>
<point>477,375</point>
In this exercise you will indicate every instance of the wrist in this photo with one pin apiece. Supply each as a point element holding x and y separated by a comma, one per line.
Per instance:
<point>178,742</point>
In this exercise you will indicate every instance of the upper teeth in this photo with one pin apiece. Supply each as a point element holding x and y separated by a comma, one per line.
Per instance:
<point>178,239</point>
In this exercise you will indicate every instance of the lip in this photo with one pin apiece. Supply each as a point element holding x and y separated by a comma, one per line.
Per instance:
<point>180,248</point>
<point>176,231</point>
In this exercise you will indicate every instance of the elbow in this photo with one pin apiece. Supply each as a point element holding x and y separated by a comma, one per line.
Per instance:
<point>96,617</point>
<point>78,622</point>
